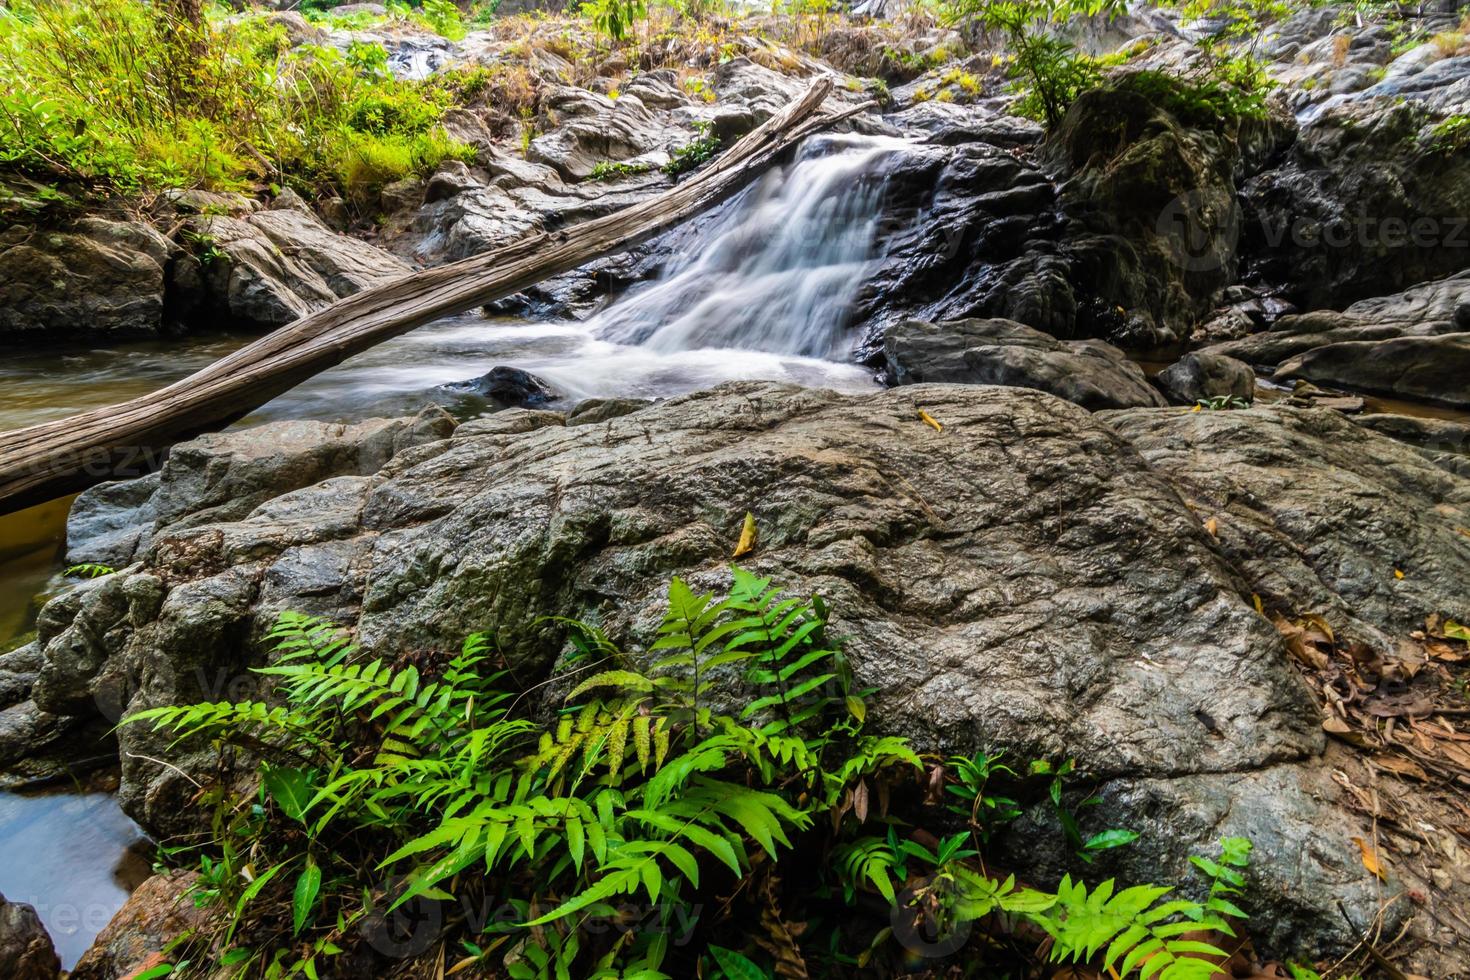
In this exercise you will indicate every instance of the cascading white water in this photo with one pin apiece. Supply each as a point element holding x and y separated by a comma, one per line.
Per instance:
<point>779,273</point>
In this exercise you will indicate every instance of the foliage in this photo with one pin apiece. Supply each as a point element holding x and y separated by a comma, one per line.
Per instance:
<point>613,169</point>
<point>1450,135</point>
<point>1221,403</point>
<point>695,152</point>
<point>1225,92</point>
<point>89,570</point>
<point>662,777</point>
<point>635,786</point>
<point>1050,72</point>
<point>616,19</point>
<point>129,96</point>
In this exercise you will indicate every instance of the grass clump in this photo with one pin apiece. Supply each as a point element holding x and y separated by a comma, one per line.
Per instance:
<point>126,96</point>
<point>1229,92</point>
<point>695,152</point>
<point>613,169</point>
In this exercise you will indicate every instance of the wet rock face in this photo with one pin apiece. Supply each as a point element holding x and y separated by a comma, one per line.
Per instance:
<point>1424,368</point>
<point>1365,205</point>
<point>26,952</point>
<point>1428,309</point>
<point>1090,373</point>
<point>1022,579</point>
<point>157,912</point>
<point>506,387</point>
<point>98,278</point>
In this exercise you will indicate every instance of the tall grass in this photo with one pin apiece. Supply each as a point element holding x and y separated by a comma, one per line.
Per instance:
<point>127,95</point>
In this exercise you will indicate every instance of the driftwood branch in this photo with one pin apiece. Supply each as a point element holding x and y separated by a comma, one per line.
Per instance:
<point>45,461</point>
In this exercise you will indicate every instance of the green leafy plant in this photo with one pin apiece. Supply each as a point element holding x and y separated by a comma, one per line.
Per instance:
<point>127,96</point>
<point>89,570</point>
<point>1049,72</point>
<point>695,152</point>
<point>615,19</point>
<point>613,169</point>
<point>1221,403</point>
<point>661,776</point>
<point>634,787</point>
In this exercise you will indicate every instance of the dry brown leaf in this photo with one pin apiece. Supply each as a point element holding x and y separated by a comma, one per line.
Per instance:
<point>1212,528</point>
<point>779,937</point>
<point>1300,644</point>
<point>1401,767</point>
<point>930,420</point>
<point>747,537</point>
<point>1445,652</point>
<point>860,801</point>
<point>1370,859</point>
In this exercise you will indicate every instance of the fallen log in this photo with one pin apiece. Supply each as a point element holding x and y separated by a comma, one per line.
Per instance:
<point>44,461</point>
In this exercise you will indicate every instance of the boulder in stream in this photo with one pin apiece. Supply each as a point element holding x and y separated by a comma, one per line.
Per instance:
<point>1200,376</point>
<point>95,278</point>
<point>1093,374</point>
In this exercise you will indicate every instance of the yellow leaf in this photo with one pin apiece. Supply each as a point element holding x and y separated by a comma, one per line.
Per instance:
<point>1260,606</point>
<point>930,420</point>
<point>747,537</point>
<point>1197,407</point>
<point>1212,527</point>
<point>1454,631</point>
<point>1370,858</point>
<point>857,708</point>
<point>1397,573</point>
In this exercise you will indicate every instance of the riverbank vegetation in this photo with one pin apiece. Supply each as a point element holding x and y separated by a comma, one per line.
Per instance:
<point>133,97</point>
<point>643,821</point>
<point>128,97</point>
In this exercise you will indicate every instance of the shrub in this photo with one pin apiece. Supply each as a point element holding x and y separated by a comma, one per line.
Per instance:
<point>686,772</point>
<point>1048,71</point>
<point>1226,92</point>
<point>122,95</point>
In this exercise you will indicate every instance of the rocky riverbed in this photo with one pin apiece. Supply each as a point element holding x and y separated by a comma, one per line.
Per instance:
<point>913,355</point>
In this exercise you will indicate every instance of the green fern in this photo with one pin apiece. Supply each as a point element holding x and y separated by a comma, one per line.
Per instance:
<point>88,570</point>
<point>637,789</point>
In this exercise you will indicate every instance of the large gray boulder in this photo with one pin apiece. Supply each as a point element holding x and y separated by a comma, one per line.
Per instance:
<point>1318,513</point>
<point>1427,309</point>
<point>266,269</point>
<point>1091,373</point>
<point>1444,442</point>
<point>1020,579</point>
<point>96,278</point>
<point>1200,376</point>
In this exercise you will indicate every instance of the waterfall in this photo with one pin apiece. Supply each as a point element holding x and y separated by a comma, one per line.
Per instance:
<point>779,271</point>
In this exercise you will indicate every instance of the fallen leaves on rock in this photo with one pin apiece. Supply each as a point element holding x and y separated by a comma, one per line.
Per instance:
<point>1404,706</point>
